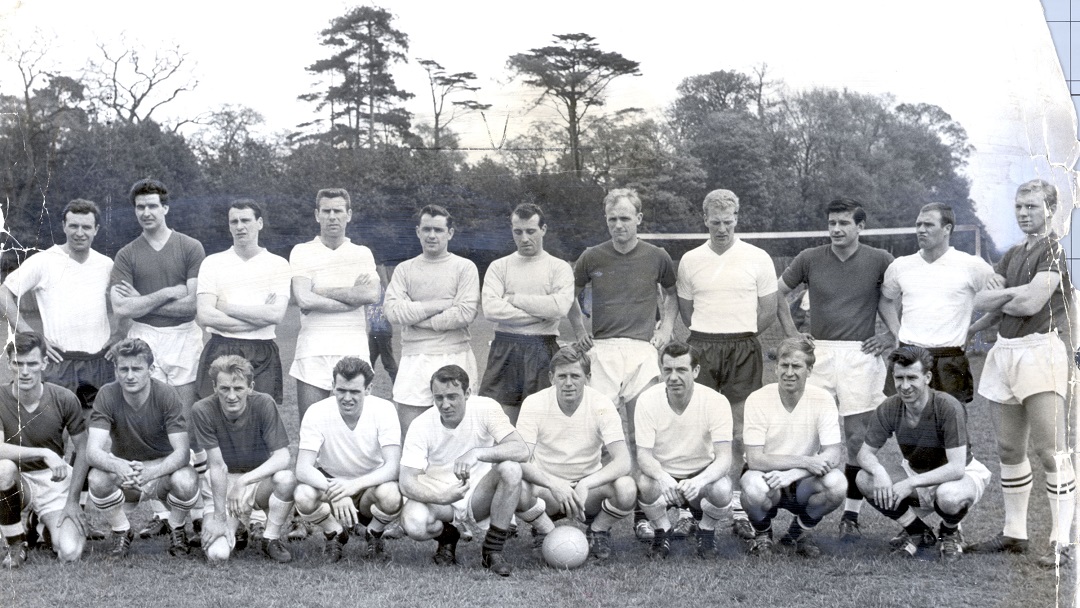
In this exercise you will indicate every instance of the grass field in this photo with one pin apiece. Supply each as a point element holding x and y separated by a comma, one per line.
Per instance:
<point>858,575</point>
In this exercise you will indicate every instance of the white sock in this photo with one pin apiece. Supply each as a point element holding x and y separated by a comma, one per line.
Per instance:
<point>854,505</point>
<point>710,514</point>
<point>1061,490</point>
<point>737,511</point>
<point>277,512</point>
<point>656,512</point>
<point>1016,490</point>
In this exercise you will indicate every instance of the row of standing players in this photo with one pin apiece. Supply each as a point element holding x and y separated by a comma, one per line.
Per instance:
<point>725,290</point>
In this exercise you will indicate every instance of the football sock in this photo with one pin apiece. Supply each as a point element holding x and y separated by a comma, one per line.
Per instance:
<point>198,462</point>
<point>609,515</point>
<point>737,511</point>
<point>536,516</point>
<point>159,509</point>
<point>112,508</point>
<point>495,539</point>
<point>710,514</point>
<point>1061,490</point>
<point>179,509</point>
<point>950,522</point>
<point>380,519</point>
<point>1016,489</point>
<point>854,501</point>
<point>11,512</point>
<point>277,513</point>
<point>449,534</point>
<point>323,517</point>
<point>639,515</point>
<point>657,513</point>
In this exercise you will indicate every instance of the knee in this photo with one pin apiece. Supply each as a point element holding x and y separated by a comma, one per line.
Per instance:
<point>388,497</point>
<point>1048,457</point>
<point>184,483</point>
<point>755,491</point>
<point>625,492</point>
<point>648,491</point>
<point>835,485</point>
<point>509,473</point>
<point>415,519</point>
<point>865,482</point>
<point>306,498</point>
<point>284,483</point>
<point>101,482</point>
<point>9,474</point>
<point>951,498</point>
<point>719,492</point>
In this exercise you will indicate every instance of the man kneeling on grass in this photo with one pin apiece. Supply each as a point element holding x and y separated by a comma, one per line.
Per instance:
<point>793,453</point>
<point>247,451</point>
<point>939,471</point>
<point>461,467</point>
<point>684,450</point>
<point>567,426</point>
<point>347,466</point>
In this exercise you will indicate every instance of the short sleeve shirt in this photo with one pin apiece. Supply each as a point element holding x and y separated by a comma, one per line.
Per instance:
<point>149,270</point>
<point>682,443</point>
<point>803,431</point>
<point>433,448</point>
<point>332,333</point>
<point>937,298</point>
<point>725,288</point>
<point>344,452</point>
<point>1019,266</point>
<point>624,288</point>
<point>569,447</point>
<point>844,295</point>
<point>58,410</point>
<point>942,426</point>
<point>245,443</point>
<point>70,296</point>
<point>248,282</point>
<point>139,433</point>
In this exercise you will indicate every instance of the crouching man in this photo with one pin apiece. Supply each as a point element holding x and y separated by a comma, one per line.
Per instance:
<point>461,467</point>
<point>939,472</point>
<point>247,451</point>
<point>793,453</point>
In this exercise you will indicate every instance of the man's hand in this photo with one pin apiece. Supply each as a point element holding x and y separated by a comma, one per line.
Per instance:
<point>996,282</point>
<point>660,338</point>
<point>57,465</point>
<point>569,502</point>
<point>214,527</point>
<point>345,511</point>
<point>234,499</point>
<point>879,344</point>
<point>669,489</point>
<point>342,488</point>
<point>458,491</point>
<point>464,464</point>
<point>901,490</point>
<point>581,494</point>
<point>818,465</point>
<point>73,512</point>
<point>585,342</point>
<point>883,490</point>
<point>773,479</point>
<point>691,488</point>
<point>52,353</point>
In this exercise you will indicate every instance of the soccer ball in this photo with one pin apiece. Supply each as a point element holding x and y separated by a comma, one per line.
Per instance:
<point>218,551</point>
<point>566,548</point>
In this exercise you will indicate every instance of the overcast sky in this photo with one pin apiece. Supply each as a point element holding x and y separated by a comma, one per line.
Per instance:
<point>991,65</point>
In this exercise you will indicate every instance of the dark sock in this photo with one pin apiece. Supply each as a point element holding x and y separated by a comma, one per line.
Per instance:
<point>10,506</point>
<point>950,522</point>
<point>449,534</point>
<point>18,539</point>
<point>639,515</point>
<point>851,471</point>
<point>916,527</point>
<point>495,539</point>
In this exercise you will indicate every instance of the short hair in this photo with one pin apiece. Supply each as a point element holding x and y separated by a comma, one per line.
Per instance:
<point>622,194</point>
<point>847,205</point>
<point>436,211</point>
<point>678,348</point>
<point>909,355</point>
<point>571,355</point>
<point>247,203</point>
<point>451,374</point>
<point>349,368</point>
<point>798,344</point>
<point>149,186</point>
<point>1040,186</point>
<point>82,206</point>
<point>232,365</point>
<point>948,218</point>
<point>722,200</point>
<point>527,210</point>
<point>24,342</point>
<point>333,193</point>
<point>132,347</point>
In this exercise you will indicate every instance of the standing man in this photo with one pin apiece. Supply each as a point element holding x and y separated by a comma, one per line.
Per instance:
<point>154,281</point>
<point>935,289</point>
<point>1026,375</point>
<point>70,283</point>
<point>461,467</point>
<point>844,279</point>
<point>247,451</point>
<point>347,466</point>
<point>793,453</point>
<point>525,294</point>
<point>684,450</point>
<point>433,297</point>
<point>138,447</point>
<point>332,280</point>
<point>33,418</point>
<point>939,472</point>
<point>242,296</point>
<point>727,297</point>
<point>567,428</point>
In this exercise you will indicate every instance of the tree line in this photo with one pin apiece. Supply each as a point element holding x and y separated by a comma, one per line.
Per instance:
<point>91,133</point>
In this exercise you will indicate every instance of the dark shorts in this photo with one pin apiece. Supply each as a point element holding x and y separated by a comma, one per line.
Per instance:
<point>951,374</point>
<point>517,367</point>
<point>82,374</point>
<point>381,346</point>
<point>262,354</point>
<point>731,363</point>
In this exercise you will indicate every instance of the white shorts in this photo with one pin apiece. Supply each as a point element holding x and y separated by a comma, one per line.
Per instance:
<point>318,371</point>
<point>176,350</point>
<point>413,383</point>
<point>1017,368</point>
<point>855,379</point>
<point>976,470</point>
<point>41,494</point>
<point>463,511</point>
<point>622,367</point>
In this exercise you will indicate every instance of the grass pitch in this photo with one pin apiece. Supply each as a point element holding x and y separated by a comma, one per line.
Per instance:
<point>856,575</point>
